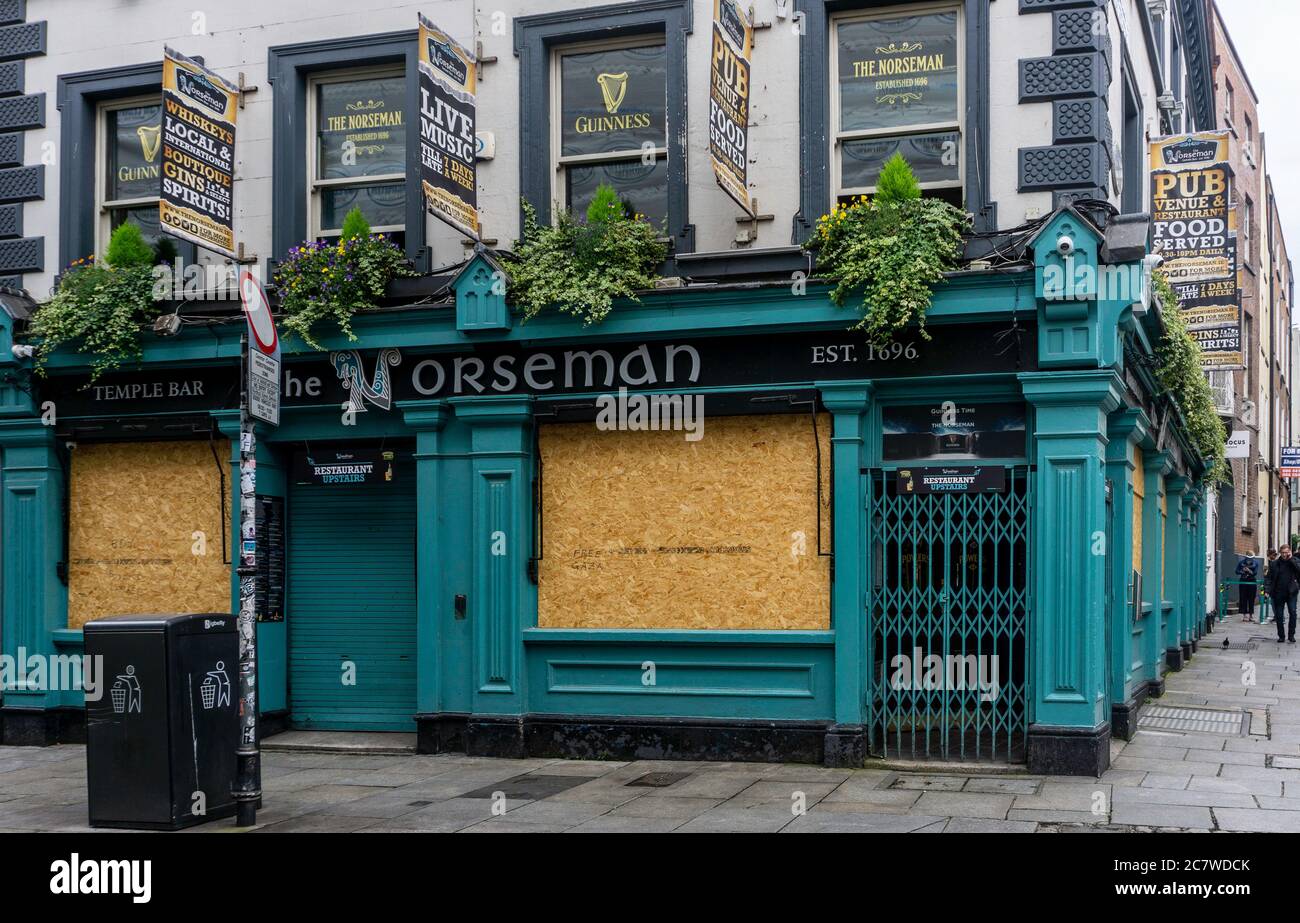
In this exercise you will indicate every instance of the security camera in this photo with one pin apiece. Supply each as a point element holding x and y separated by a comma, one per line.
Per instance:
<point>23,351</point>
<point>1065,245</point>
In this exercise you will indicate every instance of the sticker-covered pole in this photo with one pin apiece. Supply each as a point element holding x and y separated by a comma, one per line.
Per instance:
<point>247,791</point>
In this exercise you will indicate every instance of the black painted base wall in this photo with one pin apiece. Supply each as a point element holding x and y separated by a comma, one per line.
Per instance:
<point>35,727</point>
<point>1066,751</point>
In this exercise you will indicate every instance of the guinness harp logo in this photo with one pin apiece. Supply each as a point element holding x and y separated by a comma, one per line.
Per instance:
<point>150,136</point>
<point>613,87</point>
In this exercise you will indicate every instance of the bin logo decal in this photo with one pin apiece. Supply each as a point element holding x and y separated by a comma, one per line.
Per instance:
<point>215,689</point>
<point>126,694</point>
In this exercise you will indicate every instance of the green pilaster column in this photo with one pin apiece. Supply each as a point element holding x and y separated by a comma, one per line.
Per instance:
<point>1177,644</point>
<point>502,599</point>
<point>1156,465</point>
<point>1069,730</point>
<point>1124,429</point>
<point>33,598</point>
<point>427,418</point>
<point>848,403</point>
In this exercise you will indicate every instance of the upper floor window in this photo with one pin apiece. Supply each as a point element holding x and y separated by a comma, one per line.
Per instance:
<point>357,150</point>
<point>128,167</point>
<point>611,125</point>
<point>897,89</point>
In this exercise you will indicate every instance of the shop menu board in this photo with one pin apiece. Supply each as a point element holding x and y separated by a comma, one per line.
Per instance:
<point>270,558</point>
<point>953,431</point>
<point>448,82</point>
<point>1195,230</point>
<point>198,154</point>
<point>733,43</point>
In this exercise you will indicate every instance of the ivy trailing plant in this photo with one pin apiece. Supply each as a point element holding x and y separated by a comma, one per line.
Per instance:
<point>1180,373</point>
<point>101,305</point>
<point>319,280</point>
<point>893,248</point>
<point>582,268</point>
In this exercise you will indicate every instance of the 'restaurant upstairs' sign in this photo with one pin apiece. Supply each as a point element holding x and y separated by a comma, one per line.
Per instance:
<point>448,82</point>
<point>196,201</point>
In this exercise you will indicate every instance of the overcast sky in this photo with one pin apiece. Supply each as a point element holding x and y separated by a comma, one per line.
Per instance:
<point>1264,32</point>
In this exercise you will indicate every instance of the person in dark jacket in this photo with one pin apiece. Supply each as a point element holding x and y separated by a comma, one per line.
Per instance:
<point>1248,574</point>
<point>1283,588</point>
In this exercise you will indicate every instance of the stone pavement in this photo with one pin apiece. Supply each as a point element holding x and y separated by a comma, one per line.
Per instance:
<point>1162,780</point>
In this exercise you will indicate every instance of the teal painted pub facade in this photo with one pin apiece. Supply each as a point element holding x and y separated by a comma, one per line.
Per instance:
<point>1051,586</point>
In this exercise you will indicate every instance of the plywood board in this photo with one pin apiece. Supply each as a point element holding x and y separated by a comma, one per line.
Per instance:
<point>132,544</point>
<point>649,530</point>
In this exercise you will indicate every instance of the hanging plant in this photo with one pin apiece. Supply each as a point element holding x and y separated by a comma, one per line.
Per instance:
<point>1179,372</point>
<point>101,305</point>
<point>893,248</point>
<point>582,268</point>
<point>319,280</point>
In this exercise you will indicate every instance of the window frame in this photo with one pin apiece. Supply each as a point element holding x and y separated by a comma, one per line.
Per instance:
<point>104,207</point>
<point>535,36</point>
<point>559,161</point>
<point>837,138</point>
<point>316,185</point>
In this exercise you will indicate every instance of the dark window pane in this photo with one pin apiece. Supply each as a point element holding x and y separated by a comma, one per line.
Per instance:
<point>934,158</point>
<point>644,188</point>
<point>146,216</point>
<point>133,147</point>
<point>898,72</point>
<point>613,100</point>
<point>383,204</point>
<point>361,128</point>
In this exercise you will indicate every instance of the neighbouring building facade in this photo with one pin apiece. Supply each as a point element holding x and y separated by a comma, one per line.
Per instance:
<point>509,577</point>
<point>1254,509</point>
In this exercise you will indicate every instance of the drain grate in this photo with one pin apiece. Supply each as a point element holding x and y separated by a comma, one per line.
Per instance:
<point>1193,720</point>
<point>658,779</point>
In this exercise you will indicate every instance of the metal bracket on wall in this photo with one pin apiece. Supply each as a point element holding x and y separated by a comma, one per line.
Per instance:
<point>748,232</point>
<point>244,89</point>
<point>480,60</point>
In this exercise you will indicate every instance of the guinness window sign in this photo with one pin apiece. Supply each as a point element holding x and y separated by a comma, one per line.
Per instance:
<point>132,175</point>
<point>614,127</point>
<point>898,92</point>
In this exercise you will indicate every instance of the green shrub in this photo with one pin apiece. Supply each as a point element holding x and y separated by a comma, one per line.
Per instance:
<point>127,247</point>
<point>893,249</point>
<point>355,225</point>
<point>581,269</point>
<point>897,182</point>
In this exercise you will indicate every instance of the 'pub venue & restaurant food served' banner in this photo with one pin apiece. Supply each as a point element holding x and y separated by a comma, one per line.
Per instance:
<point>198,154</point>
<point>733,43</point>
<point>448,81</point>
<point>1195,230</point>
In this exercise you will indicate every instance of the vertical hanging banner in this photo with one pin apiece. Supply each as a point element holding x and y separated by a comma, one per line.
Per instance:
<point>448,82</point>
<point>1195,230</point>
<point>733,45</point>
<point>198,154</point>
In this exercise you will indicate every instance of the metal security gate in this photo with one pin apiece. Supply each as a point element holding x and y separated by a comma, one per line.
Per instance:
<point>352,604</point>
<point>948,620</point>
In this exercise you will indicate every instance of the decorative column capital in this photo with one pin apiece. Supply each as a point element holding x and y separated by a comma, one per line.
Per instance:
<point>1095,387</point>
<point>424,416</point>
<point>846,396</point>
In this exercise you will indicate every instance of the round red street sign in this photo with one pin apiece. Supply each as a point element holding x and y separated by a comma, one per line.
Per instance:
<point>258,312</point>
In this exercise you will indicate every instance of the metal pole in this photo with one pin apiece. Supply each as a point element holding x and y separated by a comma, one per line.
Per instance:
<point>247,792</point>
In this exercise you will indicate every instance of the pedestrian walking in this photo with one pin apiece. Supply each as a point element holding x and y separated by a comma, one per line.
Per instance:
<point>1248,574</point>
<point>1283,588</point>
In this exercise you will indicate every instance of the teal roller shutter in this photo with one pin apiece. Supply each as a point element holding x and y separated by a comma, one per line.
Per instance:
<point>352,599</point>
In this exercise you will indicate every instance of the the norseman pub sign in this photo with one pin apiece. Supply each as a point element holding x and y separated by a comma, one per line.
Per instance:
<point>379,380</point>
<point>196,201</point>
<point>1194,229</point>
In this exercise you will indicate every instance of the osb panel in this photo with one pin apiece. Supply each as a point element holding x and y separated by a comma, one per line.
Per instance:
<point>134,510</point>
<point>648,530</point>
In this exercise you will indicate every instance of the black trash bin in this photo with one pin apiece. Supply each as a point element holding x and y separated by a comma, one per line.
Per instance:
<point>166,723</point>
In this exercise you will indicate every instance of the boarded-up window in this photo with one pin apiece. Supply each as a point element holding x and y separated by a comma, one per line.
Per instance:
<point>145,530</point>
<point>649,530</point>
